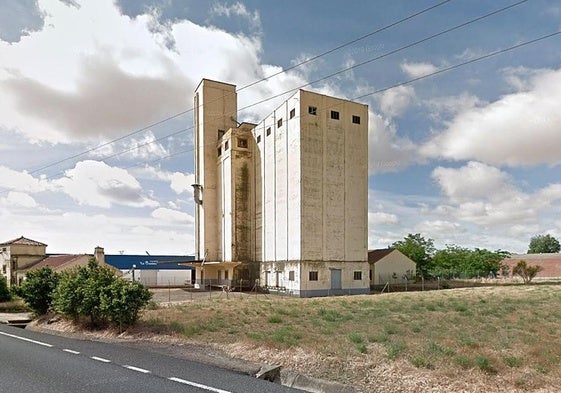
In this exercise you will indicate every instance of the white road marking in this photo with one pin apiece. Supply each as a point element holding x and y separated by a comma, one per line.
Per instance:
<point>101,359</point>
<point>71,351</point>
<point>140,370</point>
<point>27,339</point>
<point>198,385</point>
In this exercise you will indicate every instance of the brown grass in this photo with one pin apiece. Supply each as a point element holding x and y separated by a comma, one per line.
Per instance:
<point>476,339</point>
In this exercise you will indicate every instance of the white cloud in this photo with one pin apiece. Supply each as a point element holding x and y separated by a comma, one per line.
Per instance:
<point>19,199</point>
<point>484,195</point>
<point>387,151</point>
<point>21,181</point>
<point>240,10</point>
<point>179,182</point>
<point>415,70</point>
<point>381,218</point>
<point>444,108</point>
<point>95,183</point>
<point>395,101</point>
<point>473,181</point>
<point>518,129</point>
<point>174,216</point>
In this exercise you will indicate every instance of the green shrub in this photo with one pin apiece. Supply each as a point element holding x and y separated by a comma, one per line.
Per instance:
<point>5,294</point>
<point>37,289</point>
<point>122,302</point>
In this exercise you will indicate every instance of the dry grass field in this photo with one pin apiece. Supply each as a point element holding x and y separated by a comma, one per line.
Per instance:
<point>473,340</point>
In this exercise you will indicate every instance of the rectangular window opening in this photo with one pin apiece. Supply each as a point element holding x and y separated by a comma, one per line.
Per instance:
<point>268,131</point>
<point>312,110</point>
<point>279,123</point>
<point>221,133</point>
<point>219,151</point>
<point>291,275</point>
<point>242,142</point>
<point>292,113</point>
<point>356,119</point>
<point>357,275</point>
<point>226,145</point>
<point>258,138</point>
<point>335,115</point>
<point>313,276</point>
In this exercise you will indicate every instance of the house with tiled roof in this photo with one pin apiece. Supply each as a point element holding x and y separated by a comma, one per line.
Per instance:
<point>550,263</point>
<point>389,265</point>
<point>21,255</point>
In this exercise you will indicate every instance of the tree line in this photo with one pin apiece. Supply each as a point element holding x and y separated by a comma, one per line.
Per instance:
<point>455,261</point>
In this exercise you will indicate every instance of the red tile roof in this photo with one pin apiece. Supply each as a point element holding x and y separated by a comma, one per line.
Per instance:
<point>551,263</point>
<point>23,241</point>
<point>55,261</point>
<point>375,255</point>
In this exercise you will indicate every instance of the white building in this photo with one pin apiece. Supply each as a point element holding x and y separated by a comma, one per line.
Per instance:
<point>282,204</point>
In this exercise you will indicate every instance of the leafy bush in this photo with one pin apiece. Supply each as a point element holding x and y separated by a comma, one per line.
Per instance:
<point>525,271</point>
<point>5,294</point>
<point>94,292</point>
<point>37,289</point>
<point>122,302</point>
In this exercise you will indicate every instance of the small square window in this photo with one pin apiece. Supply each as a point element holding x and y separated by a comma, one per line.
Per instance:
<point>313,276</point>
<point>242,142</point>
<point>226,145</point>
<point>357,275</point>
<point>356,119</point>
<point>221,133</point>
<point>335,115</point>
<point>268,131</point>
<point>258,138</point>
<point>219,151</point>
<point>279,123</point>
<point>312,110</point>
<point>291,275</point>
<point>292,113</point>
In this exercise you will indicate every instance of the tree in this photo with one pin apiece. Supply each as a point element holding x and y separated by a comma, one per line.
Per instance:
<point>5,294</point>
<point>456,261</point>
<point>419,250</point>
<point>37,289</point>
<point>525,271</point>
<point>543,244</point>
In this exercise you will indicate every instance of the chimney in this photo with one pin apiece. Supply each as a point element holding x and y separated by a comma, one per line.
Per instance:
<point>99,255</point>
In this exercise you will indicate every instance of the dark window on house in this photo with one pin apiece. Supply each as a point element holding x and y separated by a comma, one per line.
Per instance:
<point>279,123</point>
<point>226,274</point>
<point>313,276</point>
<point>226,145</point>
<point>356,119</point>
<point>312,110</point>
<point>291,275</point>
<point>242,142</point>
<point>219,151</point>
<point>357,275</point>
<point>221,133</point>
<point>370,275</point>
<point>4,269</point>
<point>335,115</point>
<point>258,138</point>
<point>268,131</point>
<point>292,113</point>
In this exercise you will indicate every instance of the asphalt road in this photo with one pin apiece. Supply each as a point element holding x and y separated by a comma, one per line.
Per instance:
<point>34,362</point>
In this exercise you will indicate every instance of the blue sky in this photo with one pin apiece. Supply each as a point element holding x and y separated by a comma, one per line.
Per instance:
<point>469,157</point>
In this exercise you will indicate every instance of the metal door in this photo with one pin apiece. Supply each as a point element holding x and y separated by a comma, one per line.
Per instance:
<point>335,278</point>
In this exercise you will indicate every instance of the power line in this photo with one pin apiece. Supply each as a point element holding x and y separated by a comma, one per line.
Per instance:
<point>423,40</point>
<point>246,86</point>
<point>428,38</point>
<point>347,44</point>
<point>410,81</point>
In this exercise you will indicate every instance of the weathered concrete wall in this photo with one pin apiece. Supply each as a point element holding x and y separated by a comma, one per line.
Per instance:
<point>215,109</point>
